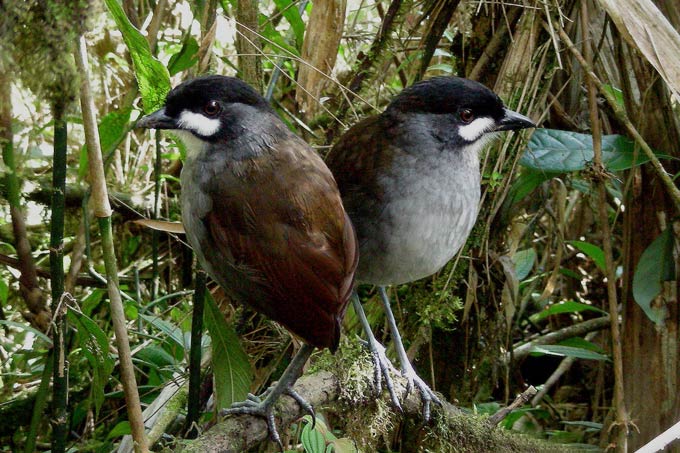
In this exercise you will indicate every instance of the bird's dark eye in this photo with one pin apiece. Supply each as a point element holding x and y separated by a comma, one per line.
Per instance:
<point>467,116</point>
<point>212,108</point>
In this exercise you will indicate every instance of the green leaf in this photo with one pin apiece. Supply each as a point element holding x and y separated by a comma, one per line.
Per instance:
<point>95,347</point>
<point>617,93</point>
<point>656,266</point>
<point>185,58</point>
<point>591,427</point>
<point>527,181</point>
<point>568,351</point>
<point>524,262</point>
<point>568,306</point>
<point>594,252</point>
<point>578,342</point>
<point>4,292</point>
<point>343,445</point>
<point>121,429</point>
<point>156,357</point>
<point>231,366</point>
<point>556,151</point>
<point>27,328</point>
<point>152,77</point>
<point>292,14</point>
<point>173,333</point>
<point>312,440</point>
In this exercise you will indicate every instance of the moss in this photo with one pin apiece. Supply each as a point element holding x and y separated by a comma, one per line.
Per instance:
<point>39,37</point>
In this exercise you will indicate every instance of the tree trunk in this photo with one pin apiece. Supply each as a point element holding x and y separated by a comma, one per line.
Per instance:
<point>650,352</point>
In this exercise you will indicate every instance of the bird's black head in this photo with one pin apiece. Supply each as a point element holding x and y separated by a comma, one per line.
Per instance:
<point>469,109</point>
<point>208,107</point>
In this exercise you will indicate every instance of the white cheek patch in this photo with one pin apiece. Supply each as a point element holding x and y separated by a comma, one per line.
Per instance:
<point>198,123</point>
<point>474,130</point>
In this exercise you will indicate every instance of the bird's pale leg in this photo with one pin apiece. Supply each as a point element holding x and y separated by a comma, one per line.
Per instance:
<point>255,405</point>
<point>381,364</point>
<point>427,395</point>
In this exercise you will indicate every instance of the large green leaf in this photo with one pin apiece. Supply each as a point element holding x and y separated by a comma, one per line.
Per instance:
<point>556,151</point>
<point>231,366</point>
<point>656,266</point>
<point>152,76</point>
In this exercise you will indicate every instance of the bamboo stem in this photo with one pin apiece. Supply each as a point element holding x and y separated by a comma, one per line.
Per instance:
<point>619,402</point>
<point>194,407</point>
<point>102,210</point>
<point>59,380</point>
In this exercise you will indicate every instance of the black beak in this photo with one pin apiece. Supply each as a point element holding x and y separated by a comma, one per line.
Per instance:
<point>513,121</point>
<point>157,120</point>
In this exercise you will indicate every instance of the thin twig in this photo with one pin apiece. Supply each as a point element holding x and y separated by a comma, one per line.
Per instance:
<point>619,402</point>
<point>521,399</point>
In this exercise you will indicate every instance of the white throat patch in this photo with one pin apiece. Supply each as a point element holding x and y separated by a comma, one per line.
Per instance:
<point>198,123</point>
<point>476,129</point>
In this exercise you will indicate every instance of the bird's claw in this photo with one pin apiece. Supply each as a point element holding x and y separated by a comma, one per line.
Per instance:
<point>427,396</point>
<point>263,406</point>
<point>381,371</point>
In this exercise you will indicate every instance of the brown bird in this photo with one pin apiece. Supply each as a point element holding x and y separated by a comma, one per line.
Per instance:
<point>264,217</point>
<point>410,182</point>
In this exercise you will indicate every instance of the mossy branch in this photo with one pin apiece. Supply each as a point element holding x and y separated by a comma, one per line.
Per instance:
<point>452,430</point>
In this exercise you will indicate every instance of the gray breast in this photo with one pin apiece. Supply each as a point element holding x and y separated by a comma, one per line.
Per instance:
<point>428,211</point>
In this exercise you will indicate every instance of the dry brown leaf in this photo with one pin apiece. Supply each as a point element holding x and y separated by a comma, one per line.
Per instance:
<point>161,225</point>
<point>644,27</point>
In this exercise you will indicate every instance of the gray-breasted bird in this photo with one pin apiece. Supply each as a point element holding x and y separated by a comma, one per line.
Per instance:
<point>264,217</point>
<point>410,182</point>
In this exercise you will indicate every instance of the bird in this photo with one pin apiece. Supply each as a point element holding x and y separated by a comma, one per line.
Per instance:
<point>410,182</point>
<point>264,217</point>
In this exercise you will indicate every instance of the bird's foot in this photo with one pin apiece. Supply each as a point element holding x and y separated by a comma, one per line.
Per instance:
<point>427,396</point>
<point>381,371</point>
<point>263,406</point>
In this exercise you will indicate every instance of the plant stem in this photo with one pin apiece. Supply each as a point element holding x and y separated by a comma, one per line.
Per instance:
<point>156,211</point>
<point>619,402</point>
<point>102,211</point>
<point>194,407</point>
<point>59,383</point>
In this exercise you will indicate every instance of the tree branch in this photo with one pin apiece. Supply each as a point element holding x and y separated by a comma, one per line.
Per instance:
<point>576,330</point>
<point>452,429</point>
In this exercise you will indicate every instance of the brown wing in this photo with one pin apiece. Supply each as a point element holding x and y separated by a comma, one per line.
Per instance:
<point>362,153</point>
<point>284,243</point>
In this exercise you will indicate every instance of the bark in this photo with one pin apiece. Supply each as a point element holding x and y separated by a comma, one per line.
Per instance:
<point>248,43</point>
<point>650,352</point>
<point>319,52</point>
